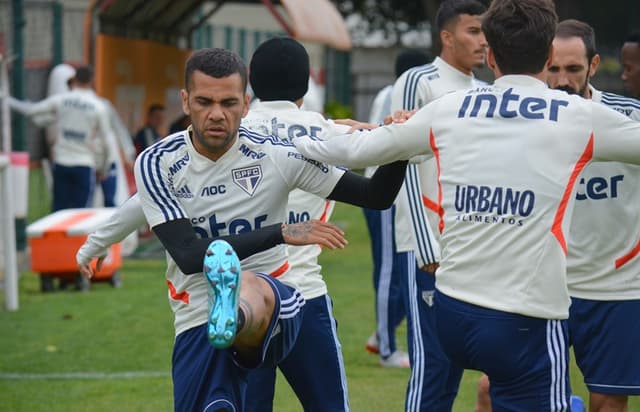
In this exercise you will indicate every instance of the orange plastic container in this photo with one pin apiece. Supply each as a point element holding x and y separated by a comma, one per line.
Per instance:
<point>56,238</point>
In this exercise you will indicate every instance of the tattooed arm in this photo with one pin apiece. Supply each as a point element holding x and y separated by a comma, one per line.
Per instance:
<point>187,250</point>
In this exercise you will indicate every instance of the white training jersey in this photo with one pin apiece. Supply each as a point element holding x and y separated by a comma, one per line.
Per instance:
<point>603,262</point>
<point>81,120</point>
<point>416,211</point>
<point>285,120</point>
<point>246,189</point>
<point>508,158</point>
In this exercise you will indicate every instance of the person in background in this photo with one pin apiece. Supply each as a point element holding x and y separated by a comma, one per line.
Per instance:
<point>150,132</point>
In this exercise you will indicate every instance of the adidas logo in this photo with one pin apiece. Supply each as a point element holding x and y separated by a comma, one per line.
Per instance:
<point>184,192</point>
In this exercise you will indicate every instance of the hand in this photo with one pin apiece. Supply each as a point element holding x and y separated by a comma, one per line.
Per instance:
<point>314,232</point>
<point>431,267</point>
<point>355,125</point>
<point>399,116</point>
<point>87,269</point>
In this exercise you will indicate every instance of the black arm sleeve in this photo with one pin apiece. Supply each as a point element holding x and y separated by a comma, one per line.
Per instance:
<point>187,250</point>
<point>378,192</point>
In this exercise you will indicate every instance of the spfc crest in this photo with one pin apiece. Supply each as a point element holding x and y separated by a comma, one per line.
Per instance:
<point>248,178</point>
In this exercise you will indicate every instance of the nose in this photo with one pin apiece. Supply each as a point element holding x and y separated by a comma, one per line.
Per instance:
<point>624,76</point>
<point>216,113</point>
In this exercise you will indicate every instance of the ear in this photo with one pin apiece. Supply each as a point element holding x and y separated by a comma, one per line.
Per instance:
<point>247,100</point>
<point>491,60</point>
<point>593,67</point>
<point>185,102</point>
<point>446,38</point>
<point>549,61</point>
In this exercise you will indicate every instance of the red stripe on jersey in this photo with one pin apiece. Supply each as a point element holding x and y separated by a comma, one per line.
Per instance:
<point>436,153</point>
<point>280,270</point>
<point>182,296</point>
<point>327,205</point>
<point>556,229</point>
<point>626,258</point>
<point>429,204</point>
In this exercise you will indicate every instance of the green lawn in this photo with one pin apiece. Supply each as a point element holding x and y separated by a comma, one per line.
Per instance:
<point>109,331</point>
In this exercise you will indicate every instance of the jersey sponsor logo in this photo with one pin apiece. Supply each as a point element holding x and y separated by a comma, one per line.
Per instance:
<point>251,154</point>
<point>207,227</point>
<point>484,204</point>
<point>213,190</point>
<point>78,104</point>
<point>247,178</point>
<point>73,135</point>
<point>324,168</point>
<point>626,112</point>
<point>293,131</point>
<point>510,105</point>
<point>184,192</point>
<point>298,217</point>
<point>597,188</point>
<point>175,168</point>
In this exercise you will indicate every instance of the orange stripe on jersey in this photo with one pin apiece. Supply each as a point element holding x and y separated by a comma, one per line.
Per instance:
<point>626,258</point>
<point>327,205</point>
<point>556,229</point>
<point>182,296</point>
<point>436,153</point>
<point>280,270</point>
<point>429,204</point>
<point>64,224</point>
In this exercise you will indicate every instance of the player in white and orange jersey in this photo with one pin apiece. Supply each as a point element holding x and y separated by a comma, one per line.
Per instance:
<point>508,159</point>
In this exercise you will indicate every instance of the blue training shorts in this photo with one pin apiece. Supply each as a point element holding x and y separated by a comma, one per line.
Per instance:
<point>605,336</point>
<point>207,379</point>
<point>525,358</point>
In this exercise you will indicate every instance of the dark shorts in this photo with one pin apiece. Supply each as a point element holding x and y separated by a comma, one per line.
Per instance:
<point>208,379</point>
<point>605,336</point>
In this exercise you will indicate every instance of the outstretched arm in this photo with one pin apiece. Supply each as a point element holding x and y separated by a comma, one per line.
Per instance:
<point>180,240</point>
<point>187,250</point>
<point>377,192</point>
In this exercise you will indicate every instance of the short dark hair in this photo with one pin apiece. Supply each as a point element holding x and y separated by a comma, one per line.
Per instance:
<point>520,33</point>
<point>409,58</point>
<point>449,10</point>
<point>155,107</point>
<point>84,75</point>
<point>216,63</point>
<point>634,37</point>
<point>576,28</point>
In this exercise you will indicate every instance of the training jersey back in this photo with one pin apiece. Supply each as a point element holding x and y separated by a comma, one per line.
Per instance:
<point>81,119</point>
<point>245,189</point>
<point>603,262</point>
<point>285,120</point>
<point>508,159</point>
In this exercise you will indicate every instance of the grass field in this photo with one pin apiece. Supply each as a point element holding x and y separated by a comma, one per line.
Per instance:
<point>110,349</point>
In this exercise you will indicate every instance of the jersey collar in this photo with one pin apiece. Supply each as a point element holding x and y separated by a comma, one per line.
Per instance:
<point>522,80</point>
<point>274,105</point>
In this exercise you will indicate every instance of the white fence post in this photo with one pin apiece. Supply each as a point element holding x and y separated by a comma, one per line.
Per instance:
<point>7,219</point>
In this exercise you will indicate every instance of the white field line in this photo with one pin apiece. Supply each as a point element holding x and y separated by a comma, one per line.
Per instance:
<point>84,375</point>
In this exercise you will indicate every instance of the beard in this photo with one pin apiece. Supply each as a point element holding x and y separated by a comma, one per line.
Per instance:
<point>580,92</point>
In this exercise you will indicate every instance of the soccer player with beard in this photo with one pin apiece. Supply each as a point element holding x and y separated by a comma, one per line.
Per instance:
<point>603,263</point>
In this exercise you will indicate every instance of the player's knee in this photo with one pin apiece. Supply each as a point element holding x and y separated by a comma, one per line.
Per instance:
<point>601,402</point>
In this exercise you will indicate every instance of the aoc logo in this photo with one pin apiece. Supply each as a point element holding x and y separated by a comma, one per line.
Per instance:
<point>484,204</point>
<point>247,178</point>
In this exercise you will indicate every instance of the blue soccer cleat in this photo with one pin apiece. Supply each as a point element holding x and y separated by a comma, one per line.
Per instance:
<point>223,274</point>
<point>577,404</point>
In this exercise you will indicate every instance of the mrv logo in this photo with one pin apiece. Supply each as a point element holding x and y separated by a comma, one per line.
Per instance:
<point>497,201</point>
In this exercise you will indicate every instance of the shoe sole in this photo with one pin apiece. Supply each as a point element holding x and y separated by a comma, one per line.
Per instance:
<point>223,274</point>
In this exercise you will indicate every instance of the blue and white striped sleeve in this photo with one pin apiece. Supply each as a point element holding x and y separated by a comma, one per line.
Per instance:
<point>158,200</point>
<point>406,96</point>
